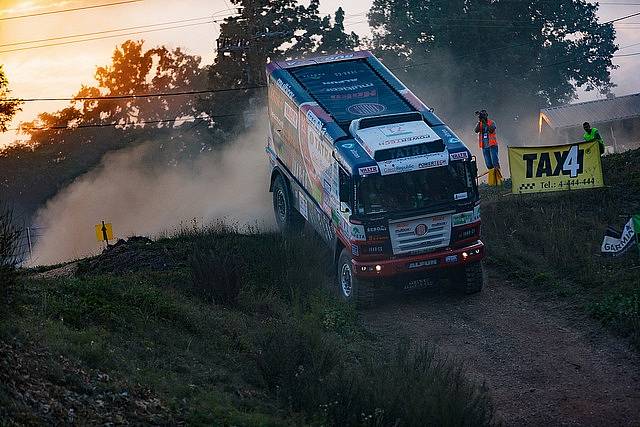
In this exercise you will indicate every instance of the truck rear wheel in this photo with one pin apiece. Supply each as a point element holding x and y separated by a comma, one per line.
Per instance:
<point>352,289</point>
<point>288,219</point>
<point>470,279</point>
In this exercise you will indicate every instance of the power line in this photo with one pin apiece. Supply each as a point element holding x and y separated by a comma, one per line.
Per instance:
<point>493,23</point>
<point>146,95</point>
<point>106,37</point>
<point>623,18</point>
<point>628,54</point>
<point>214,14</point>
<point>69,10</point>
<point>103,32</point>
<point>529,43</point>
<point>114,124</point>
<point>212,91</point>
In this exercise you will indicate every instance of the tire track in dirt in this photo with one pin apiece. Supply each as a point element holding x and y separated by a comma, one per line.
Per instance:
<point>544,363</point>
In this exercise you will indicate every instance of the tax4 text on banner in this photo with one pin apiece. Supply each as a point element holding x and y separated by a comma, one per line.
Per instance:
<point>555,168</point>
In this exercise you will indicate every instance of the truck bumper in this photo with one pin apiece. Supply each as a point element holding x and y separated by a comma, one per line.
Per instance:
<point>449,258</point>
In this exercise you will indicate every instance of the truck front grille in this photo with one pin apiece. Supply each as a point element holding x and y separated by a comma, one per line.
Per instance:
<point>421,234</point>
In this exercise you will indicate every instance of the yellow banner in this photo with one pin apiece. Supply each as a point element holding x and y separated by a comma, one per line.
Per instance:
<point>555,168</point>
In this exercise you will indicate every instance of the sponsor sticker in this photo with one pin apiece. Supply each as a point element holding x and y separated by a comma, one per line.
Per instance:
<point>476,213</point>
<point>407,164</point>
<point>460,196</point>
<point>432,164</point>
<point>357,233</point>
<point>395,130</point>
<point>368,170</point>
<point>374,249</point>
<point>468,217</point>
<point>377,229</point>
<point>366,108</point>
<point>404,140</point>
<point>463,155</point>
<point>286,88</point>
<point>418,284</point>
<point>291,114</point>
<point>314,120</point>
<point>419,264</point>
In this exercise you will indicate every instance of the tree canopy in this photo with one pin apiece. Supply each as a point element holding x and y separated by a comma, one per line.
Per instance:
<point>66,143</point>
<point>266,30</point>
<point>467,54</point>
<point>8,107</point>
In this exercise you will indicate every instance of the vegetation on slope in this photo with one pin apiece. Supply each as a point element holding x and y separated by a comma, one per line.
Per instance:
<point>552,241</point>
<point>241,330</point>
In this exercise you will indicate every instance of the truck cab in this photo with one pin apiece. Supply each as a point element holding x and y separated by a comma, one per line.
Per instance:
<point>383,180</point>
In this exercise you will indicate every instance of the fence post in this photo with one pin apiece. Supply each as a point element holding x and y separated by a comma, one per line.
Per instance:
<point>29,242</point>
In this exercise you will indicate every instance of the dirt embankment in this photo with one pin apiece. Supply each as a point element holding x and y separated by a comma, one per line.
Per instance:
<point>544,363</point>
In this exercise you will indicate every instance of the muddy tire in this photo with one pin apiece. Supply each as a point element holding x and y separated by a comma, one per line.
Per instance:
<point>469,279</point>
<point>288,218</point>
<point>352,289</point>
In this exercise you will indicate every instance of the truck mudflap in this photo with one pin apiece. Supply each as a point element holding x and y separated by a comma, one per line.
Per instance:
<point>449,258</point>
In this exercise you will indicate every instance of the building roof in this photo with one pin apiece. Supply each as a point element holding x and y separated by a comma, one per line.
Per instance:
<point>601,111</point>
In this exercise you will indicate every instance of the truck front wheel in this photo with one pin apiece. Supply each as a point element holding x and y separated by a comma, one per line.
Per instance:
<point>352,289</point>
<point>288,219</point>
<point>469,278</point>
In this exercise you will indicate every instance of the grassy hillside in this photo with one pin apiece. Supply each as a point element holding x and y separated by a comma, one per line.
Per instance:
<point>552,241</point>
<point>213,328</point>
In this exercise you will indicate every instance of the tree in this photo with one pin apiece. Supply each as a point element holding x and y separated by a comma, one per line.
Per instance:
<point>509,57</point>
<point>334,38</point>
<point>66,143</point>
<point>263,30</point>
<point>8,107</point>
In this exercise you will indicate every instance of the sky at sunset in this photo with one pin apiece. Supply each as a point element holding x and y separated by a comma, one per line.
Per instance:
<point>58,71</point>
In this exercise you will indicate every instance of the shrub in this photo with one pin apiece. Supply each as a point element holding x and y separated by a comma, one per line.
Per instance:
<point>215,275</point>
<point>410,387</point>
<point>311,372</point>
<point>10,237</point>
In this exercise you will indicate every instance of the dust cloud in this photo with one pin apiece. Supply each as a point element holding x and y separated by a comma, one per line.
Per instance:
<point>143,196</point>
<point>455,97</point>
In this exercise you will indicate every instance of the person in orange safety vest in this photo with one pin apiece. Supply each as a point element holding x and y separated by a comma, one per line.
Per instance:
<point>486,130</point>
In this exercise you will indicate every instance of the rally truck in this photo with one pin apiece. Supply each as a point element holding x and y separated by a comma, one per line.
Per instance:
<point>387,185</point>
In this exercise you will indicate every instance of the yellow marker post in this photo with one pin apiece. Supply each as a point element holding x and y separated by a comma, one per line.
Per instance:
<point>104,232</point>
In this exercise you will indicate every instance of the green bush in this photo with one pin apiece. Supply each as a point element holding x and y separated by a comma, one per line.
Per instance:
<point>10,237</point>
<point>216,276</point>
<point>310,371</point>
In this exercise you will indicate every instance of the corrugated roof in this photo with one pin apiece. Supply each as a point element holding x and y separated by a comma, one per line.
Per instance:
<point>601,111</point>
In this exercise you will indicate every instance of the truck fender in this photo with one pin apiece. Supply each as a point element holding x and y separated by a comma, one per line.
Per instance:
<point>338,247</point>
<point>274,174</point>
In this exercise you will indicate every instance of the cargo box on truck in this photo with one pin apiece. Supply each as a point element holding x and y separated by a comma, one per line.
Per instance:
<point>380,177</point>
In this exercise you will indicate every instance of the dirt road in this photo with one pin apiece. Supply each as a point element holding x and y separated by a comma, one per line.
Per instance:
<point>544,363</point>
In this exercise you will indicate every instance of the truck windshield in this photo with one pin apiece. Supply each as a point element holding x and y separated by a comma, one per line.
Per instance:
<point>415,190</point>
